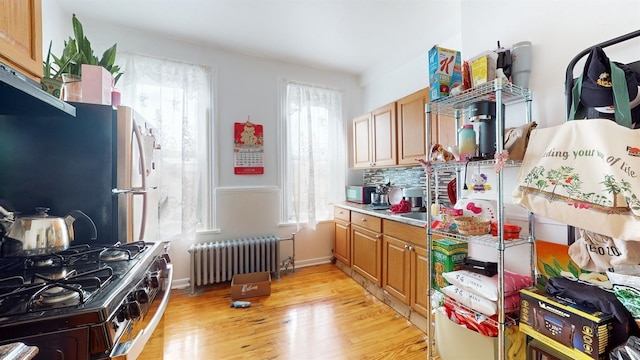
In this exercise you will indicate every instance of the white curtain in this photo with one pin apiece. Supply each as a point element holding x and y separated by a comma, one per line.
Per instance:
<point>315,157</point>
<point>175,98</point>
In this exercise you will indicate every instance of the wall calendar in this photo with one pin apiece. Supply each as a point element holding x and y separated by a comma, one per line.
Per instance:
<point>248,150</point>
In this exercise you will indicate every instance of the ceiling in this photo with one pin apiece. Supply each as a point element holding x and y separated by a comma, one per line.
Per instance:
<point>354,36</point>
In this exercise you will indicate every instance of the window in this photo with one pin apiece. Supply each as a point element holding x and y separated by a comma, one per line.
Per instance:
<point>175,98</point>
<point>314,162</point>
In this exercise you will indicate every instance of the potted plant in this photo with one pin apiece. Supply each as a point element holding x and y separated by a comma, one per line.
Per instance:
<point>79,52</point>
<point>87,56</point>
<point>53,67</point>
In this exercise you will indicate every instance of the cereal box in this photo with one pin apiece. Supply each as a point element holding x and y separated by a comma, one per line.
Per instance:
<point>447,255</point>
<point>445,71</point>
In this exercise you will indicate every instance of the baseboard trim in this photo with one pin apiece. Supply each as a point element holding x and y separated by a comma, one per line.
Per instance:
<point>186,282</point>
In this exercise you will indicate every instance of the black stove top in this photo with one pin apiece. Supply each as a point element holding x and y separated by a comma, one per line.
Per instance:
<point>84,284</point>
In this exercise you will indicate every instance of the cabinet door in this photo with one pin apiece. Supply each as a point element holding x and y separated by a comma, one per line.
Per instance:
<point>396,271</point>
<point>412,128</point>
<point>419,285</point>
<point>362,151</point>
<point>446,133</point>
<point>366,257</point>
<point>384,135</point>
<point>21,36</point>
<point>342,243</point>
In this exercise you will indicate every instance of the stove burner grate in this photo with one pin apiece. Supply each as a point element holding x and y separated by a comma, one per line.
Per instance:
<point>58,294</point>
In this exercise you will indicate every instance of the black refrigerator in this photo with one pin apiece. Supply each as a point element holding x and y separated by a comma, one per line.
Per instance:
<point>102,162</point>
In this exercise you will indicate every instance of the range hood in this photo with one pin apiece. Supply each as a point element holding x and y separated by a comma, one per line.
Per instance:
<point>20,95</point>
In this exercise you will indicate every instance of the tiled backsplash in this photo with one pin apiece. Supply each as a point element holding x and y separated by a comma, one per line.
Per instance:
<point>403,177</point>
<point>406,177</point>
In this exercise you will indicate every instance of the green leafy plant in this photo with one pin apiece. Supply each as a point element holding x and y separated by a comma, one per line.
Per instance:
<point>54,66</point>
<point>78,51</point>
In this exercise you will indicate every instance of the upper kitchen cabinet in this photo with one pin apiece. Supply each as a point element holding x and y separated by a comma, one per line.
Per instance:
<point>412,128</point>
<point>21,36</point>
<point>374,138</point>
<point>443,130</point>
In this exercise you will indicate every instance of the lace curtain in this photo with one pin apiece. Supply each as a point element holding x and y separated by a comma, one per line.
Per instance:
<point>175,98</point>
<point>315,157</point>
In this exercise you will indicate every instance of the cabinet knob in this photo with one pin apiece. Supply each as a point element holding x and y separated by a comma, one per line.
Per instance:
<point>363,220</point>
<point>378,236</point>
<point>410,247</point>
<point>406,246</point>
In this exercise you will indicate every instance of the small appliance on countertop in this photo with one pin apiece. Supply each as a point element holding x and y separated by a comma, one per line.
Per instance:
<point>414,196</point>
<point>359,194</point>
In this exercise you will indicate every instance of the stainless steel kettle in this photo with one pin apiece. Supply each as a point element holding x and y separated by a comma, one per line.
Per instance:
<point>39,234</point>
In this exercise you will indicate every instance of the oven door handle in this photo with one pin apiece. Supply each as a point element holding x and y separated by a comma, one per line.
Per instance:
<point>131,349</point>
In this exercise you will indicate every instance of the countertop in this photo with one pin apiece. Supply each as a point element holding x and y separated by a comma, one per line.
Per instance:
<point>385,214</point>
<point>17,351</point>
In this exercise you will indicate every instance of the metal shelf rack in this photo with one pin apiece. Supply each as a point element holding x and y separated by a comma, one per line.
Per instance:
<point>502,93</point>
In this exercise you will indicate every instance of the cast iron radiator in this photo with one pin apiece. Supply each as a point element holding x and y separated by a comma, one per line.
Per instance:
<point>217,262</point>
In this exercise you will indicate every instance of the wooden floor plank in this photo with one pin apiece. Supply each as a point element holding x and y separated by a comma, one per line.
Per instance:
<point>317,312</point>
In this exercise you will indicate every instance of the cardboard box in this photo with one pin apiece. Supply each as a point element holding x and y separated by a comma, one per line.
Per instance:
<point>447,255</point>
<point>445,71</point>
<point>250,285</point>
<point>576,331</point>
<point>96,85</point>
<point>455,342</point>
<point>483,68</point>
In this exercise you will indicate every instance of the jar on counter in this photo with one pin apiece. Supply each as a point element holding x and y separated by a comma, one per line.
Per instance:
<point>467,142</point>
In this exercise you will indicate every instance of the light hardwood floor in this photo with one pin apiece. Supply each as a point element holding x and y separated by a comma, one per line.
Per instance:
<point>315,313</point>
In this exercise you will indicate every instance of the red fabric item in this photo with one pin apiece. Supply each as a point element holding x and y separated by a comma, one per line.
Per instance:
<point>402,207</point>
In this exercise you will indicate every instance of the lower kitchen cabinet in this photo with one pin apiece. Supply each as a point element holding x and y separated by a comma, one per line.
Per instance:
<point>396,276</point>
<point>404,262</point>
<point>366,246</point>
<point>342,235</point>
<point>392,255</point>
<point>419,281</point>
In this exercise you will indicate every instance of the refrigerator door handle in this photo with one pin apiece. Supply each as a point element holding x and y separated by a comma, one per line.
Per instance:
<point>135,191</point>
<point>143,189</point>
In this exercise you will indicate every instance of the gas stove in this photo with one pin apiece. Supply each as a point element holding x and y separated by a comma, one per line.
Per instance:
<point>87,302</point>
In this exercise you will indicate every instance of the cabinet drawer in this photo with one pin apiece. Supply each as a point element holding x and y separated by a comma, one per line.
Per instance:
<point>414,234</point>
<point>372,223</point>
<point>342,214</point>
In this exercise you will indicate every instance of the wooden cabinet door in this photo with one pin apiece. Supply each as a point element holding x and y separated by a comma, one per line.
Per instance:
<point>21,36</point>
<point>342,241</point>
<point>396,268</point>
<point>412,128</point>
<point>366,257</point>
<point>446,133</point>
<point>419,285</point>
<point>383,144</point>
<point>362,150</point>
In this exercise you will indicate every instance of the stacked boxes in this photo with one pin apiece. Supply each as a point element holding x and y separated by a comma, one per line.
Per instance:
<point>447,255</point>
<point>578,332</point>
<point>445,71</point>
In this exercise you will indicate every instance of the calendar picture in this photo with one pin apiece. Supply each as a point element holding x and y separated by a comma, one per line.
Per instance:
<point>248,151</point>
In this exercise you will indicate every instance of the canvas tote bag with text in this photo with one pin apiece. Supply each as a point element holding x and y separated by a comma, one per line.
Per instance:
<point>585,174</point>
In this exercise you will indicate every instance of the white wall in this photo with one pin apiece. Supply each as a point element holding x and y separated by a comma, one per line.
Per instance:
<point>559,30</point>
<point>245,86</point>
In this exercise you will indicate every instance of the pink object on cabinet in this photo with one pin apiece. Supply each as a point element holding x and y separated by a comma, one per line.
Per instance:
<point>96,85</point>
